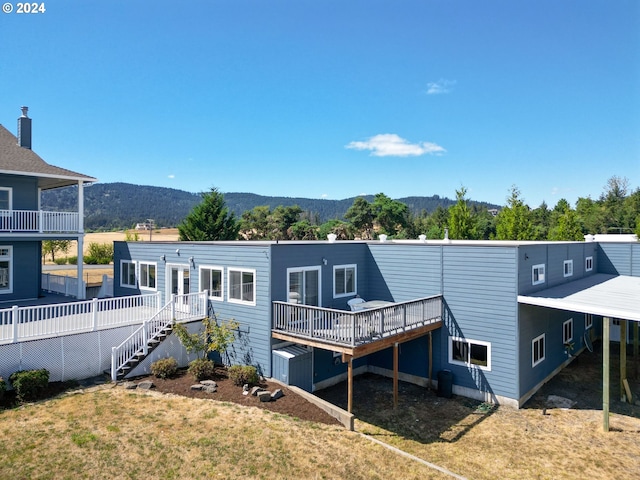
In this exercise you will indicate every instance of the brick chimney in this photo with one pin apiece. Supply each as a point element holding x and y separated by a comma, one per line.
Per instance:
<point>24,129</point>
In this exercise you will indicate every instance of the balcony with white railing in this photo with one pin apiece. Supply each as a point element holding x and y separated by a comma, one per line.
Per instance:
<point>38,221</point>
<point>315,325</point>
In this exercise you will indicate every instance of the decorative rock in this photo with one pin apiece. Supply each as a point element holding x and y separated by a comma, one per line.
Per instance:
<point>256,390</point>
<point>264,396</point>
<point>209,388</point>
<point>197,386</point>
<point>146,385</point>
<point>277,394</point>
<point>209,383</point>
<point>130,385</point>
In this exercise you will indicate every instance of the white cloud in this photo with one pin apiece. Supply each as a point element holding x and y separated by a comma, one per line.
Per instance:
<point>324,195</point>
<point>172,176</point>
<point>440,87</point>
<point>392,145</point>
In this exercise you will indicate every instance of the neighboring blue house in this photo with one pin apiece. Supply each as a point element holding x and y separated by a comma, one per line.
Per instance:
<point>488,314</point>
<point>23,224</point>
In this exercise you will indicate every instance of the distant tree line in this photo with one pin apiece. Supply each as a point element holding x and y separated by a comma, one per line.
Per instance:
<point>617,210</point>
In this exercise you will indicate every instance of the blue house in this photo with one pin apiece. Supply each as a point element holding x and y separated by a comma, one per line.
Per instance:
<point>23,223</point>
<point>496,319</point>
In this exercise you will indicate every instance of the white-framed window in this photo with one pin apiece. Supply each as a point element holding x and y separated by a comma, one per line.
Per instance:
<point>588,321</point>
<point>303,286</point>
<point>6,198</point>
<point>470,353</point>
<point>147,275</point>
<point>127,274</point>
<point>211,279</point>
<point>567,268</point>
<point>537,274</point>
<point>6,269</point>
<point>345,280</point>
<point>538,350</point>
<point>567,331</point>
<point>588,264</point>
<point>242,286</point>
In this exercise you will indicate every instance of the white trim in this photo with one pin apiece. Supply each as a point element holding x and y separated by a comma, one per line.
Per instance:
<point>588,264</point>
<point>135,275</point>
<point>217,298</point>
<point>533,350</point>
<point>355,280</point>
<point>302,270</point>
<point>567,268</point>
<point>468,362</point>
<point>242,271</point>
<point>567,331</point>
<point>140,278</point>
<point>9,270</point>
<point>540,270</point>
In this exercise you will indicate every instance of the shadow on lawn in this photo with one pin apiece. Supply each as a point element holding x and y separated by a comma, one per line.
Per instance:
<point>420,416</point>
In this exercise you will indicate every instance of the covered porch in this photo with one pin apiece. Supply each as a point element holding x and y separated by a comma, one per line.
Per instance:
<point>613,297</point>
<point>356,334</point>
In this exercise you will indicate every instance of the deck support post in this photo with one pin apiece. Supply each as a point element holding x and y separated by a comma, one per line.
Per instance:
<point>635,348</point>
<point>605,373</point>
<point>350,384</point>
<point>430,360</point>
<point>623,357</point>
<point>395,375</point>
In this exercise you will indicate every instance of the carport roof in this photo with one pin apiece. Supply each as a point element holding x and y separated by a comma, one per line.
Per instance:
<point>614,296</point>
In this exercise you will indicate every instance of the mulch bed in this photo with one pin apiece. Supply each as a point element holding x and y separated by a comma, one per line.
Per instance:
<point>290,404</point>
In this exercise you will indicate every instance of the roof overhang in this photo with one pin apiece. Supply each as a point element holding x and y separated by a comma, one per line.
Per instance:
<point>614,296</point>
<point>49,181</point>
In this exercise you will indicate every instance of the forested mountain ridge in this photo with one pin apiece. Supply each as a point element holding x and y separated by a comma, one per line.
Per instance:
<point>114,206</point>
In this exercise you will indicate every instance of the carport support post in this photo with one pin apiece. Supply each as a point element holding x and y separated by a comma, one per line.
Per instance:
<point>635,348</point>
<point>395,375</point>
<point>605,373</point>
<point>350,384</point>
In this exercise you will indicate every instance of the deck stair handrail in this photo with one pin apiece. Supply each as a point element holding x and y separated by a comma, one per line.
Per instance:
<point>19,324</point>
<point>181,308</point>
<point>347,328</point>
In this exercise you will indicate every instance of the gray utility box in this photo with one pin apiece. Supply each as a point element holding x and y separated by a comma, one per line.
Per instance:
<point>292,365</point>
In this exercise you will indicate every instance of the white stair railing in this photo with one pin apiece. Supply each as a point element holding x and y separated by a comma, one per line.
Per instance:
<point>181,308</point>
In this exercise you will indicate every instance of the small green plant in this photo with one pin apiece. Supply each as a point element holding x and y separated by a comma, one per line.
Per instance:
<point>214,337</point>
<point>73,260</point>
<point>99,254</point>
<point>61,261</point>
<point>164,368</point>
<point>243,374</point>
<point>202,368</point>
<point>28,383</point>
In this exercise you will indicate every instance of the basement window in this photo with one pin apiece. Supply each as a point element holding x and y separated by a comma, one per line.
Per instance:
<point>538,350</point>
<point>470,353</point>
<point>567,331</point>
<point>588,321</point>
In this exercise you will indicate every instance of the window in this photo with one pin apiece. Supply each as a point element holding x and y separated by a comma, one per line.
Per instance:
<point>588,321</point>
<point>588,264</point>
<point>147,275</point>
<point>467,352</point>
<point>537,274</point>
<point>303,285</point>
<point>127,274</point>
<point>211,280</point>
<point>568,268</point>
<point>242,286</point>
<point>537,350</point>
<point>6,269</point>
<point>344,280</point>
<point>5,198</point>
<point>567,331</point>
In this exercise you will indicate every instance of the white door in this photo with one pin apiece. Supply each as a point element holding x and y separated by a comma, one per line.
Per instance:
<point>179,281</point>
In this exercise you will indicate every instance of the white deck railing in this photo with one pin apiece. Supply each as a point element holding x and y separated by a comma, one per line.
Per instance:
<point>18,324</point>
<point>181,308</point>
<point>63,284</point>
<point>39,221</point>
<point>354,328</point>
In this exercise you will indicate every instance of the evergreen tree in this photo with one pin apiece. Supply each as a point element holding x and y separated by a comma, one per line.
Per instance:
<point>461,220</point>
<point>390,215</point>
<point>209,220</point>
<point>360,214</point>
<point>514,220</point>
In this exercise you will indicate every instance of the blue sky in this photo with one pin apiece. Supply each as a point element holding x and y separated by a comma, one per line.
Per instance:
<point>331,98</point>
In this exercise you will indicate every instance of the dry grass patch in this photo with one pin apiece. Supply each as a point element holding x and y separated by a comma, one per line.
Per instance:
<point>115,433</point>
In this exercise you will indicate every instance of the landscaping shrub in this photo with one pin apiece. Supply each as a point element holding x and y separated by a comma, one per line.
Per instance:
<point>99,253</point>
<point>243,374</point>
<point>61,261</point>
<point>28,383</point>
<point>3,387</point>
<point>202,368</point>
<point>164,368</point>
<point>73,260</point>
